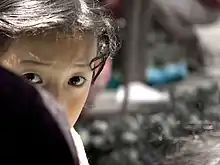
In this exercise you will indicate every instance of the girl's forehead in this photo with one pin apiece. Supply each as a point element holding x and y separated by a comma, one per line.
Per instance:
<point>54,48</point>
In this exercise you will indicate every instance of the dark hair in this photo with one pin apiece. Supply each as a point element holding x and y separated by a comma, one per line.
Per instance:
<point>34,17</point>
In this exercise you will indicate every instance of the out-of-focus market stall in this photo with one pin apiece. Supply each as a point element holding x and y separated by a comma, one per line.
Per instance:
<point>162,85</point>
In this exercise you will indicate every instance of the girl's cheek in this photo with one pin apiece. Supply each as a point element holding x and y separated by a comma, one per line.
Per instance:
<point>75,106</point>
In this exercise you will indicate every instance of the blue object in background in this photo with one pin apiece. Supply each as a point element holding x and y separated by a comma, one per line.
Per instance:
<point>167,74</point>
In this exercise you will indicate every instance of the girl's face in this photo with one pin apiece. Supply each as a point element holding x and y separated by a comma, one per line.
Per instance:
<point>60,64</point>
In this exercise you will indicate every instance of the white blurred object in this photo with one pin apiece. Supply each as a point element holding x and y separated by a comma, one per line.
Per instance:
<point>140,93</point>
<point>209,38</point>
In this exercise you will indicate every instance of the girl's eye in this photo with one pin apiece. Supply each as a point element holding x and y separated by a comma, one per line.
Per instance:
<point>77,81</point>
<point>33,78</point>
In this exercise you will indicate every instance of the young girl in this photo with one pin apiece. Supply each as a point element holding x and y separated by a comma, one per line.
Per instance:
<point>60,45</point>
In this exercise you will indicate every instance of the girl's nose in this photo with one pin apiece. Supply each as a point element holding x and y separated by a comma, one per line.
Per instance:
<point>53,89</point>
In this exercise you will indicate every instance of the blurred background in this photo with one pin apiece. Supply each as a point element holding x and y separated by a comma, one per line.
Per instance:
<point>162,85</point>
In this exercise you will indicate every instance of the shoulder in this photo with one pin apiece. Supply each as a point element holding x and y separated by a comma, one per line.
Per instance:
<point>79,147</point>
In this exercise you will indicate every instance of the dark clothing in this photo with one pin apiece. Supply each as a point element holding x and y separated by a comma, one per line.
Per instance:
<point>31,131</point>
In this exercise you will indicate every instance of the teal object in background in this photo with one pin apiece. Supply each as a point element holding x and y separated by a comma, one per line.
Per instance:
<point>167,74</point>
<point>157,76</point>
<point>115,82</point>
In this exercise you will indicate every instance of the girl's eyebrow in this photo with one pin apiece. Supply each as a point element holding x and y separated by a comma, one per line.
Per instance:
<point>36,62</point>
<point>50,63</point>
<point>81,65</point>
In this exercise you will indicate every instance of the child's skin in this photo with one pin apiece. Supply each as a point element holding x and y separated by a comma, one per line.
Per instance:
<point>57,62</point>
